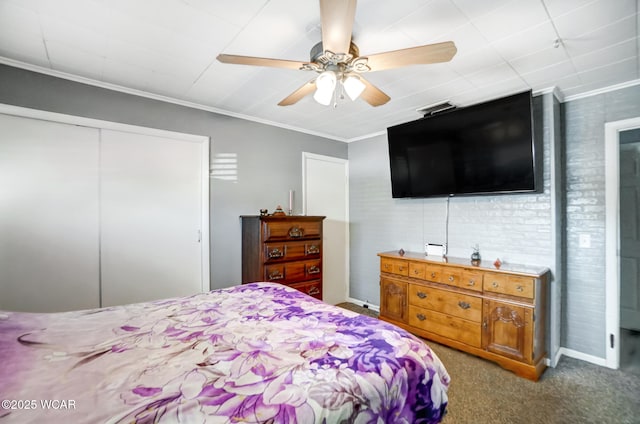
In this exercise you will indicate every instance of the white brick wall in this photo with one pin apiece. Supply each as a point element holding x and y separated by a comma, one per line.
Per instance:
<point>515,227</point>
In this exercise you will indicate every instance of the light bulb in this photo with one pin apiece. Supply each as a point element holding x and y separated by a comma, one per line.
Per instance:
<point>353,86</point>
<point>325,85</point>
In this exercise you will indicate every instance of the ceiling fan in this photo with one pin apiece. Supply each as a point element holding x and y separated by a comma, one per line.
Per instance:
<point>338,62</point>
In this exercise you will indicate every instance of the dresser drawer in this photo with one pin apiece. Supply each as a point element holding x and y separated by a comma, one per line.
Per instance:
<point>471,280</point>
<point>454,328</point>
<point>286,229</point>
<point>451,303</point>
<point>511,285</point>
<point>417,270</point>
<point>433,273</point>
<point>312,288</point>
<point>394,266</point>
<point>292,272</point>
<point>451,276</point>
<point>292,251</point>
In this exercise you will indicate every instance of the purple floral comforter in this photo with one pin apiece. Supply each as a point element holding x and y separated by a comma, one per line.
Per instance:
<point>256,353</point>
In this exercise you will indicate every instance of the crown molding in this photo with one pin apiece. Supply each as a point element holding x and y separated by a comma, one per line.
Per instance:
<point>158,97</point>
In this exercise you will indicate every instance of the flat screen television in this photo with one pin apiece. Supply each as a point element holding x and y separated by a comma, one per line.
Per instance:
<point>487,148</point>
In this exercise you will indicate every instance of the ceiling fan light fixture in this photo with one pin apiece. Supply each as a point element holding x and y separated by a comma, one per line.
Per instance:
<point>325,86</point>
<point>353,86</point>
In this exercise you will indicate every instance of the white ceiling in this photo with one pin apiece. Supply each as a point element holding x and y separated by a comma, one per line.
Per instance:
<point>167,48</point>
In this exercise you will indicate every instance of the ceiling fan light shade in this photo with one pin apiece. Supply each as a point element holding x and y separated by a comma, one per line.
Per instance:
<point>325,86</point>
<point>353,86</point>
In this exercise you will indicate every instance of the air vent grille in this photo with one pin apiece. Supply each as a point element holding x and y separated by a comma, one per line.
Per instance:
<point>437,108</point>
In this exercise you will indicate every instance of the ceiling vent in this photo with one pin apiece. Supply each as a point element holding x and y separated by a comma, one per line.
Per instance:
<point>437,108</point>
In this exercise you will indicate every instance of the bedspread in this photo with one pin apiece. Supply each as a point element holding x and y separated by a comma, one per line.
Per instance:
<point>255,353</point>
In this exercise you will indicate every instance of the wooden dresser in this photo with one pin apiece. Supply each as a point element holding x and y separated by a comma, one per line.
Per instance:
<point>497,314</point>
<point>285,250</point>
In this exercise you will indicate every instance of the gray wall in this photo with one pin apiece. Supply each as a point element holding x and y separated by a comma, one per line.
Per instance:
<point>515,228</point>
<point>584,294</point>
<point>269,158</point>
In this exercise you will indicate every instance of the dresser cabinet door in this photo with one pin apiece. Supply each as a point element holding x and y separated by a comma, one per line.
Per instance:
<point>393,299</point>
<point>508,330</point>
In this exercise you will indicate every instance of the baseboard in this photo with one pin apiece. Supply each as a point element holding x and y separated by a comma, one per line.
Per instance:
<point>364,304</point>
<point>581,356</point>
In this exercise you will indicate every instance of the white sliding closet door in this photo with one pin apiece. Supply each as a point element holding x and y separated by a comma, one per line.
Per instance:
<point>151,209</point>
<point>48,216</point>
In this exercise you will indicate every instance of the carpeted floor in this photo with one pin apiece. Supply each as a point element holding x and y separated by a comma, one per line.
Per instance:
<point>573,392</point>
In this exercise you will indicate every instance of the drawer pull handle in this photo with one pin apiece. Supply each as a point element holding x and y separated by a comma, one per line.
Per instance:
<point>451,278</point>
<point>314,250</point>
<point>519,288</point>
<point>313,291</point>
<point>276,275</point>
<point>421,317</point>
<point>433,275</point>
<point>313,269</point>
<point>472,283</point>
<point>401,268</point>
<point>464,305</point>
<point>495,284</point>
<point>275,253</point>
<point>416,272</point>
<point>421,295</point>
<point>296,232</point>
<point>387,267</point>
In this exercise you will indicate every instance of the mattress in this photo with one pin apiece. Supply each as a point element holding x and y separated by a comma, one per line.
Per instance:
<point>254,353</point>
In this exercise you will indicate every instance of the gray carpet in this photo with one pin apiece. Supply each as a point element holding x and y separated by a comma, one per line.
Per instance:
<point>573,392</point>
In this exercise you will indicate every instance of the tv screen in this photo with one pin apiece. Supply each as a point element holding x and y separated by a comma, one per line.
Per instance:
<point>486,148</point>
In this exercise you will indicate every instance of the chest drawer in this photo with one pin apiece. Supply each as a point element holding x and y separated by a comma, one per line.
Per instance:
<point>292,251</point>
<point>290,230</point>
<point>451,303</point>
<point>292,272</point>
<point>511,285</point>
<point>312,288</point>
<point>394,266</point>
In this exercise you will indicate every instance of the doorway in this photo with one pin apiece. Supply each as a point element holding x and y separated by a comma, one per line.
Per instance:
<point>325,192</point>
<point>622,186</point>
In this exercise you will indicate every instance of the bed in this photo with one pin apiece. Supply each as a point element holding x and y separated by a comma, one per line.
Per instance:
<point>255,353</point>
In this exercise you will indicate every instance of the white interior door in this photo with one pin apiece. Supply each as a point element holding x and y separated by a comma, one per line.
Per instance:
<point>151,214</point>
<point>630,236</point>
<point>326,192</point>
<point>48,216</point>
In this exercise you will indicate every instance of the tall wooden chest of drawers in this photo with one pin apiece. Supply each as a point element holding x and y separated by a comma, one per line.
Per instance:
<point>285,250</point>
<point>495,313</point>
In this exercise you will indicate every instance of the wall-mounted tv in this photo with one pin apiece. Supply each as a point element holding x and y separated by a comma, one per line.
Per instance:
<point>486,148</point>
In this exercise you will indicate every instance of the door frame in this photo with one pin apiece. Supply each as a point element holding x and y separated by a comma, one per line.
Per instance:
<point>204,142</point>
<point>306,156</point>
<point>612,236</point>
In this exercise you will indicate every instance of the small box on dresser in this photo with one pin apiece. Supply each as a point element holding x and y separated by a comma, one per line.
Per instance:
<point>285,250</point>
<point>497,314</point>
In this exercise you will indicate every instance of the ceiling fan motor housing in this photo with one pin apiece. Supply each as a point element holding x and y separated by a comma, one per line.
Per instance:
<point>326,58</point>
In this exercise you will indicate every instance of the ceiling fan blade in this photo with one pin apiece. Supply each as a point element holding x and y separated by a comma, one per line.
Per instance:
<point>260,61</point>
<point>336,17</point>
<point>372,94</point>
<point>421,55</point>
<point>297,95</point>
